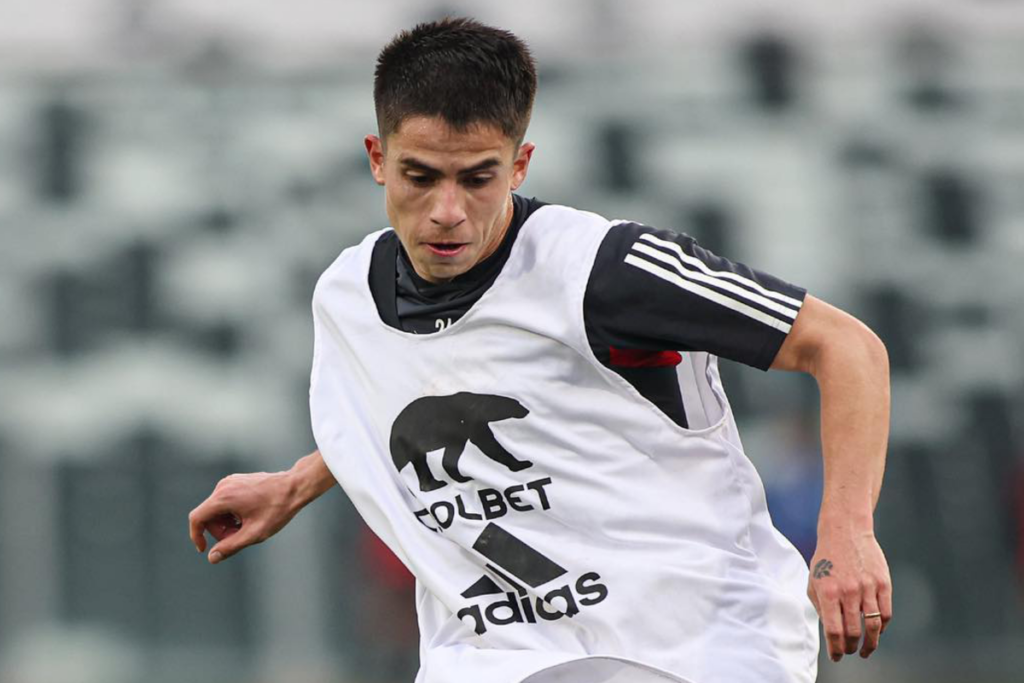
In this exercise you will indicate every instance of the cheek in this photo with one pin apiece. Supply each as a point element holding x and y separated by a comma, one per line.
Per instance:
<point>403,199</point>
<point>490,201</point>
<point>408,210</point>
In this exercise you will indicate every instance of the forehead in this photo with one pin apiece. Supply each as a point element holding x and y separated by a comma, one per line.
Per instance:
<point>431,140</point>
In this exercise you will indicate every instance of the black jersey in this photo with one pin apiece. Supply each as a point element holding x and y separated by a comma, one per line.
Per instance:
<point>651,295</point>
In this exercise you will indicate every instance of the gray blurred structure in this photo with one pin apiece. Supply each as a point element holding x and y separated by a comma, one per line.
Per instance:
<point>175,175</point>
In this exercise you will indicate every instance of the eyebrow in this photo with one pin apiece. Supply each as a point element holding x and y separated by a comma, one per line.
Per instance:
<point>417,165</point>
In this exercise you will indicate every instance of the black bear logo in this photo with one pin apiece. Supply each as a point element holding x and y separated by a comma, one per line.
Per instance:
<point>448,422</point>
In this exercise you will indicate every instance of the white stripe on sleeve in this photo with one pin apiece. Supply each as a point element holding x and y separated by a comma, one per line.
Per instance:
<point>725,275</point>
<point>710,294</point>
<point>721,283</point>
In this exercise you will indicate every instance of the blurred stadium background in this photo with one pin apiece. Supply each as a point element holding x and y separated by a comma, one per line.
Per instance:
<point>175,174</point>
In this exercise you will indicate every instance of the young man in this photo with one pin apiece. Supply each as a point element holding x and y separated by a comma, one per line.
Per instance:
<point>523,402</point>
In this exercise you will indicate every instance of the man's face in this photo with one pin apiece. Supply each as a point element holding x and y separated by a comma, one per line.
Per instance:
<point>447,193</point>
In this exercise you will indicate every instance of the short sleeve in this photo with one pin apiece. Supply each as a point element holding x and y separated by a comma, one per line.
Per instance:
<point>659,290</point>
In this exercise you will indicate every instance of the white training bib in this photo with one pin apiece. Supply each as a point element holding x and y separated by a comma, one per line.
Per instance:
<point>558,524</point>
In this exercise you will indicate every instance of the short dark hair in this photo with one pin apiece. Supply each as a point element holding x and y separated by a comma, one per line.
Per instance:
<point>460,70</point>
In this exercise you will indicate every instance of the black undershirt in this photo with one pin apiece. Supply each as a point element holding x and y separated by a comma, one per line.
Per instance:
<point>410,303</point>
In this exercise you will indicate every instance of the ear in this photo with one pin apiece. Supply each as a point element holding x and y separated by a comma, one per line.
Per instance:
<point>521,164</point>
<point>375,153</point>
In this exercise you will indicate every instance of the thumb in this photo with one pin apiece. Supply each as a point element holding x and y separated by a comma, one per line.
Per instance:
<point>232,542</point>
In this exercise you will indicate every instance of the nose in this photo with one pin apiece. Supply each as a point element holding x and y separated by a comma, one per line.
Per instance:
<point>448,210</point>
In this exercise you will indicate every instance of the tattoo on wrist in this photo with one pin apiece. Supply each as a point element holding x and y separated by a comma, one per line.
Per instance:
<point>822,569</point>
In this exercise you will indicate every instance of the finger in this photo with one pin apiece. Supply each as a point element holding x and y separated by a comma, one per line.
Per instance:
<point>196,526</point>
<point>885,602</point>
<point>243,537</point>
<point>851,603</point>
<point>222,526</point>
<point>195,532</point>
<point>831,620</point>
<point>872,625</point>
<point>203,514</point>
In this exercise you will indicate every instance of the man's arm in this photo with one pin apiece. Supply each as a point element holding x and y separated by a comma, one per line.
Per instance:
<point>849,574</point>
<point>250,508</point>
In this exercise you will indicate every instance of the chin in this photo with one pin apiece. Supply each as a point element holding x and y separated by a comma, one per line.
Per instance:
<point>448,270</point>
<point>448,273</point>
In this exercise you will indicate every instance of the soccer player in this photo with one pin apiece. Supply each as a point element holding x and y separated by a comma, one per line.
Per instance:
<point>523,401</point>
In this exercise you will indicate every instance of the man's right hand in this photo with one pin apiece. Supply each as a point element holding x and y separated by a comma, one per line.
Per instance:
<point>245,509</point>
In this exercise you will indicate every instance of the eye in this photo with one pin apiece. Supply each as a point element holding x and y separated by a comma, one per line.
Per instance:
<point>420,180</point>
<point>478,180</point>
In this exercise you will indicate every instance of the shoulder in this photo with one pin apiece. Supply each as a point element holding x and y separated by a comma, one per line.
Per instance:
<point>625,235</point>
<point>350,265</point>
<point>560,223</point>
<point>617,236</point>
<point>560,238</point>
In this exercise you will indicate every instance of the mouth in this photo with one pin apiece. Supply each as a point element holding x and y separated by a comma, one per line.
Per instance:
<point>447,249</point>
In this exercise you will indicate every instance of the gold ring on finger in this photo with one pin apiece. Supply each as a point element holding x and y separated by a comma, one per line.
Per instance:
<point>873,615</point>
